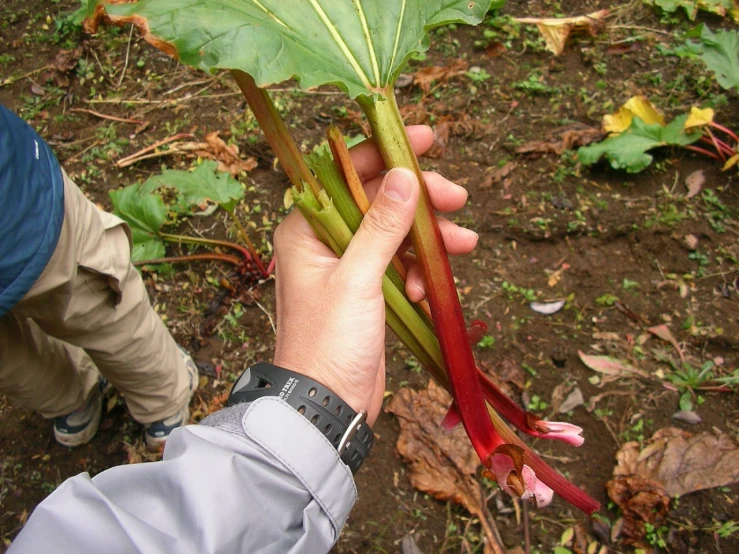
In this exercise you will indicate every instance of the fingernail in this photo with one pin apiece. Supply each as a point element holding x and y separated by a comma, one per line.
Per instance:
<point>399,184</point>
<point>470,233</point>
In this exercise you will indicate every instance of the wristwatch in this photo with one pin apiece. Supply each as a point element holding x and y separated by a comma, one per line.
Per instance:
<point>344,428</point>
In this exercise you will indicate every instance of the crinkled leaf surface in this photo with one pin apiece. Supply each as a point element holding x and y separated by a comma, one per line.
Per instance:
<point>691,7</point>
<point>145,213</point>
<point>205,184</point>
<point>720,53</point>
<point>359,45</point>
<point>628,150</point>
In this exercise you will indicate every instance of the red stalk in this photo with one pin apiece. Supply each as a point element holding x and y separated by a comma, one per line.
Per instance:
<point>389,132</point>
<point>729,132</point>
<point>703,151</point>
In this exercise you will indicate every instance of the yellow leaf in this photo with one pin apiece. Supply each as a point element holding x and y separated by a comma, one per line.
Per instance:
<point>645,110</point>
<point>638,106</point>
<point>618,122</point>
<point>555,31</point>
<point>699,118</point>
<point>731,162</point>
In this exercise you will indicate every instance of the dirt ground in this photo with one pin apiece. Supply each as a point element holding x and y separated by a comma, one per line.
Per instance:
<point>610,243</point>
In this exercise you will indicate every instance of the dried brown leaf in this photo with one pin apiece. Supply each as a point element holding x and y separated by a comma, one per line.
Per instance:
<point>426,76</point>
<point>682,462</point>
<point>496,175</point>
<point>227,156</point>
<point>556,31</point>
<point>564,138</point>
<point>641,501</point>
<point>442,464</point>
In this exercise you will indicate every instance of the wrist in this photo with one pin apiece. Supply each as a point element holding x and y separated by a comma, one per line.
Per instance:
<point>326,377</point>
<point>345,429</point>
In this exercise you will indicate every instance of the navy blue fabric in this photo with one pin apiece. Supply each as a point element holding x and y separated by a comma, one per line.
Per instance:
<point>31,207</point>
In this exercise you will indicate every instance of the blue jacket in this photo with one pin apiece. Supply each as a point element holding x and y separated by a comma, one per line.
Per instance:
<point>31,207</point>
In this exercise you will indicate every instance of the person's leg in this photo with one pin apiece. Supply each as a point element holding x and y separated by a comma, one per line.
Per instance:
<point>91,296</point>
<point>41,373</point>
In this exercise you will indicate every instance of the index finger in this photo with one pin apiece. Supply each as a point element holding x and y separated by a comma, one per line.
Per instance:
<point>368,161</point>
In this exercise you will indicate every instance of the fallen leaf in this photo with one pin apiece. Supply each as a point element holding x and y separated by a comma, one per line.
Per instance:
<point>612,367</point>
<point>641,501</point>
<point>573,400</point>
<point>691,241</point>
<point>226,155</point>
<point>682,462</point>
<point>442,464</point>
<point>731,162</point>
<point>496,175</point>
<point>556,31</point>
<point>686,416</point>
<point>695,182</point>
<point>663,332</point>
<point>408,545</point>
<point>564,138</point>
<point>495,49</point>
<point>547,308</point>
<point>426,76</point>
<point>623,48</point>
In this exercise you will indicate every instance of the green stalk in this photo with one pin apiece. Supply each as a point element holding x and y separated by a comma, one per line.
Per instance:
<point>332,224</point>
<point>389,132</point>
<point>276,133</point>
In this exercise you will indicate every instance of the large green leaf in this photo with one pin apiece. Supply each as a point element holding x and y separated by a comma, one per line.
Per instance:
<point>359,45</point>
<point>205,184</point>
<point>691,7</point>
<point>720,53</point>
<point>145,213</point>
<point>628,150</point>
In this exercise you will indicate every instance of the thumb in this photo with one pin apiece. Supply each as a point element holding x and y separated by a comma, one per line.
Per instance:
<point>384,226</point>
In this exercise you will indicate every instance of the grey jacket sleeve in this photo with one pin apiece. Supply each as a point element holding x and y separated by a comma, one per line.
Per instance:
<point>251,478</point>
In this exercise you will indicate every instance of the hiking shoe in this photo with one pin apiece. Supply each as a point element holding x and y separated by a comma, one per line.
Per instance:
<point>157,433</point>
<point>79,427</point>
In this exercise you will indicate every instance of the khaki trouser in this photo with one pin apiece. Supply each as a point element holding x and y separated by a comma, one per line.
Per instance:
<point>89,312</point>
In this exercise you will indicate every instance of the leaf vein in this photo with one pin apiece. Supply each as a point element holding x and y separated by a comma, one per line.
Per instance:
<point>341,43</point>
<point>397,37</point>
<point>368,37</point>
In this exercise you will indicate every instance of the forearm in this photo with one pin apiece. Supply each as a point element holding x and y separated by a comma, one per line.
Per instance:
<point>267,481</point>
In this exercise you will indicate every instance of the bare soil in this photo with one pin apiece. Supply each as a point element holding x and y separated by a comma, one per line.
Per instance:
<point>605,232</point>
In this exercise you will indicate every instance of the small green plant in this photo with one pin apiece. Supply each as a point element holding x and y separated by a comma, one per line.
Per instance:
<point>691,378</point>
<point>486,342</point>
<point>655,536</point>
<point>142,206</point>
<point>606,300</point>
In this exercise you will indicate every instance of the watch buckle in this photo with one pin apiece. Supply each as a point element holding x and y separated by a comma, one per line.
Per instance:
<point>351,431</point>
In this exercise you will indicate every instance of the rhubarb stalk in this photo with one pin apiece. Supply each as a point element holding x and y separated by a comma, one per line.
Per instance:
<point>388,130</point>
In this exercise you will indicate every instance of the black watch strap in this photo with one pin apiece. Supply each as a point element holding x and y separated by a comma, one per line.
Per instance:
<point>344,428</point>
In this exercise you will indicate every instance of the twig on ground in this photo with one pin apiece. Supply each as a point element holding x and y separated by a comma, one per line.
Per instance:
<point>123,162</point>
<point>105,116</point>
<point>11,80</point>
<point>79,154</point>
<point>125,64</point>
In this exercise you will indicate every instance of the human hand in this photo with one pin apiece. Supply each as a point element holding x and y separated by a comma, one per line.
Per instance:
<point>330,311</point>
